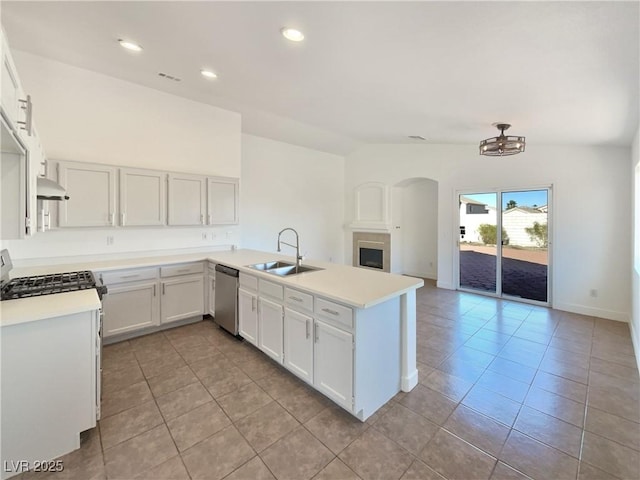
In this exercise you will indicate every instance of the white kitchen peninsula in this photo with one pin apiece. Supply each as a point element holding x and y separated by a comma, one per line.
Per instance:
<point>346,315</point>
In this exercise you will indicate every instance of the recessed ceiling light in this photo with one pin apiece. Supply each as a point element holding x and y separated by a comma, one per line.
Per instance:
<point>208,74</point>
<point>134,47</point>
<point>292,34</point>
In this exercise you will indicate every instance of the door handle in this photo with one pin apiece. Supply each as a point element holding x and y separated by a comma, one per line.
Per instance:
<point>307,327</point>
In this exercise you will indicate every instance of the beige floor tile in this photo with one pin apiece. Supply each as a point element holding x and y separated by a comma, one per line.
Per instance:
<point>171,380</point>
<point>157,351</point>
<point>570,371</point>
<point>556,406</point>
<point>374,456</point>
<point>114,380</point>
<point>537,460</point>
<point>225,380</point>
<point>266,425</point>
<point>200,352</point>
<point>197,424</point>
<point>279,384</point>
<point>420,471</point>
<point>453,387</point>
<point>162,364</point>
<point>336,470</point>
<point>218,455</point>
<point>429,403</point>
<point>614,369</point>
<point>479,430</point>
<point>621,461</point>
<point>589,472</point>
<point>511,369</point>
<point>260,368</point>
<point>408,429</point>
<point>550,430</point>
<point>124,425</point>
<point>615,428</point>
<point>254,469</point>
<point>245,400</point>
<point>296,456</point>
<point>304,403</point>
<point>505,386</point>
<point>505,472</point>
<point>140,453</point>
<point>125,398</point>
<point>466,371</point>
<point>456,459</point>
<point>561,386</point>
<point>336,428</point>
<point>172,469</point>
<point>492,404</point>
<point>181,401</point>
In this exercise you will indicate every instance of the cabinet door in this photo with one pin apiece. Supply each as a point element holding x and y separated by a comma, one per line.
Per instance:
<point>298,344</point>
<point>187,199</point>
<point>333,363</point>
<point>129,307</point>
<point>143,197</point>
<point>222,204</point>
<point>248,316</point>
<point>182,297</point>
<point>271,326</point>
<point>11,91</point>
<point>92,195</point>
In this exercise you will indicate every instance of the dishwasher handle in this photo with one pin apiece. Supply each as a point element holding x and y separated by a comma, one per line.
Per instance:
<point>227,270</point>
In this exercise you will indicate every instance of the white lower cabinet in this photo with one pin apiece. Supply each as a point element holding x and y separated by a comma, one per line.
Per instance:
<point>271,324</point>
<point>333,363</point>
<point>212,292</point>
<point>182,297</point>
<point>129,307</point>
<point>298,344</point>
<point>248,316</point>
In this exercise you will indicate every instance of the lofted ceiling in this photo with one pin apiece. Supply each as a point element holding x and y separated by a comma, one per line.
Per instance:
<point>367,72</point>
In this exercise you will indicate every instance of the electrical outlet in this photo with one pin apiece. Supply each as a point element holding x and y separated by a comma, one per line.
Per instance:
<point>110,240</point>
<point>229,234</point>
<point>593,292</point>
<point>204,236</point>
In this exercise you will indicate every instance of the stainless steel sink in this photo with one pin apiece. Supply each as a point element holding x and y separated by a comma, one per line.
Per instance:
<point>292,270</point>
<point>283,269</point>
<point>271,265</point>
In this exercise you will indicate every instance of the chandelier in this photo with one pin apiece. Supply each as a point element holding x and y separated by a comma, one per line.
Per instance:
<point>503,144</point>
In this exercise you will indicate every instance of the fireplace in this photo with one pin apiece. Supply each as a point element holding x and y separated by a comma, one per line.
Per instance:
<point>372,250</point>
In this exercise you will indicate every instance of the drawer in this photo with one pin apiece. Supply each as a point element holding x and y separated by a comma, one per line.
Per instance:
<point>334,311</point>
<point>184,269</point>
<point>298,299</point>
<point>134,275</point>
<point>249,282</point>
<point>271,289</point>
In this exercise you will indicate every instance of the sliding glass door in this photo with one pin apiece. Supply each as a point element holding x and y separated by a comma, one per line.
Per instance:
<point>503,243</point>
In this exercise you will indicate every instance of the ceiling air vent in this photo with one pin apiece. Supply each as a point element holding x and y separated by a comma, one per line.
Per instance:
<point>417,137</point>
<point>169,77</point>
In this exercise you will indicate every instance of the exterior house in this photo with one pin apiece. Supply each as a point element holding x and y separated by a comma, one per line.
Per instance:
<point>473,214</point>
<point>516,220</point>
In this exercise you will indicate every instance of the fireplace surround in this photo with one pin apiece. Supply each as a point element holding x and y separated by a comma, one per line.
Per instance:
<point>372,251</point>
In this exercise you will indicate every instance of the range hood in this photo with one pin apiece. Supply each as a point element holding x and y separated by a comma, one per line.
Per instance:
<point>50,190</point>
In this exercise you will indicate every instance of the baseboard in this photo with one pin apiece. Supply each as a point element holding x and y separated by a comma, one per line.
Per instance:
<point>430,276</point>
<point>634,340</point>
<point>592,312</point>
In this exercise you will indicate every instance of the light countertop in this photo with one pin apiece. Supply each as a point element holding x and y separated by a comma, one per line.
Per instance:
<point>356,287</point>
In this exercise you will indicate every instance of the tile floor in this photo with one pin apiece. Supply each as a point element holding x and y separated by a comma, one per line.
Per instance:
<point>506,391</point>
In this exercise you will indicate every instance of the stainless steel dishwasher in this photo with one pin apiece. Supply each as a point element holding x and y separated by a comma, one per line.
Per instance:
<point>226,315</point>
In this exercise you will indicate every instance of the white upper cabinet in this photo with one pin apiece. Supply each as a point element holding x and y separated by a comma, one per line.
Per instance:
<point>222,205</point>
<point>143,197</point>
<point>11,90</point>
<point>187,199</point>
<point>92,195</point>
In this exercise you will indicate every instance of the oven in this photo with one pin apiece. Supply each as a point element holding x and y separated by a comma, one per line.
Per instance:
<point>52,284</point>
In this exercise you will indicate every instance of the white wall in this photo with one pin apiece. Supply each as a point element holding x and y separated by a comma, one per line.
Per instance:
<point>89,117</point>
<point>419,227</point>
<point>591,199</point>
<point>635,276</point>
<point>283,185</point>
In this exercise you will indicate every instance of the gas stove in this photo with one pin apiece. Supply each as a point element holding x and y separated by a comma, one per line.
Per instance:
<point>38,285</point>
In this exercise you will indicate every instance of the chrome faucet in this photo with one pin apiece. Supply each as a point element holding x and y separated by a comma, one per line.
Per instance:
<point>296,246</point>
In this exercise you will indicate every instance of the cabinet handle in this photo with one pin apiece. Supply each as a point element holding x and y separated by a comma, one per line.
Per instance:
<point>307,326</point>
<point>163,288</point>
<point>27,106</point>
<point>154,290</point>
<point>210,219</point>
<point>131,276</point>
<point>315,332</point>
<point>123,217</point>
<point>331,312</point>
<point>112,219</point>
<point>201,219</point>
<point>183,270</point>
<point>253,304</point>
<point>297,299</point>
<point>47,221</point>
